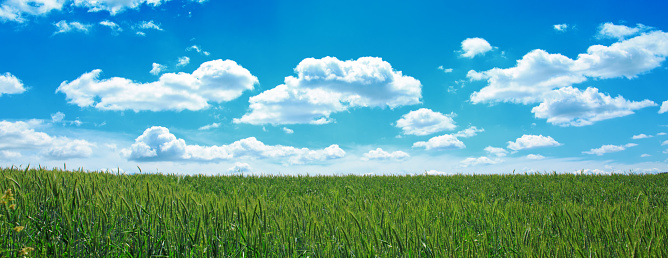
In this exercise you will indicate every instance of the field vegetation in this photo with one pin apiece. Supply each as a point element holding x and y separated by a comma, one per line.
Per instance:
<point>47,213</point>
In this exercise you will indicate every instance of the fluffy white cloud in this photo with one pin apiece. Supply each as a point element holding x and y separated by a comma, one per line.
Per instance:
<point>664,143</point>
<point>424,121</point>
<point>539,72</point>
<point>115,28</point>
<point>641,136</point>
<point>478,161</point>
<point>288,130</point>
<point>158,144</point>
<point>499,152</point>
<point>57,117</point>
<point>664,107</point>
<point>561,27</point>
<point>443,142</point>
<point>570,106</point>
<point>17,10</point>
<point>9,84</point>
<point>328,85</point>
<point>472,47</point>
<point>197,49</point>
<point>619,32</point>
<point>380,154</point>
<point>214,81</point>
<point>18,136</point>
<point>157,69</point>
<point>448,141</point>
<point>9,155</point>
<point>608,149</point>
<point>532,141</point>
<point>64,27</point>
<point>209,126</point>
<point>535,156</point>
<point>183,61</point>
<point>115,6</point>
<point>240,167</point>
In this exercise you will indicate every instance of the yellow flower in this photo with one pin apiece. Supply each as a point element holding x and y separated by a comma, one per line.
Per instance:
<point>12,207</point>
<point>26,250</point>
<point>19,228</point>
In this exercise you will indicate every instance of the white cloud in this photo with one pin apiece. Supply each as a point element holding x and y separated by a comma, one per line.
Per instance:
<point>570,106</point>
<point>9,84</point>
<point>442,142</point>
<point>532,141</point>
<point>619,32</point>
<point>214,81</point>
<point>469,132</point>
<point>380,154</point>
<point>478,161</point>
<point>17,10</point>
<point>438,173</point>
<point>328,85</point>
<point>664,143</point>
<point>664,107</point>
<point>499,152</point>
<point>472,47</point>
<point>424,121</point>
<point>535,156</point>
<point>146,25</point>
<point>645,155</point>
<point>608,149</point>
<point>661,133</point>
<point>9,155</point>
<point>288,130</point>
<point>158,144</point>
<point>209,126</point>
<point>641,136</point>
<point>197,49</point>
<point>57,117</point>
<point>561,27</point>
<point>115,28</point>
<point>445,70</point>
<point>115,6</point>
<point>18,136</point>
<point>240,167</point>
<point>539,72</point>
<point>183,61</point>
<point>157,69</point>
<point>64,27</point>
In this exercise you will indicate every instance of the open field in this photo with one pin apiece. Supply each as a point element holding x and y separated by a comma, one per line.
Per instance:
<point>80,214</point>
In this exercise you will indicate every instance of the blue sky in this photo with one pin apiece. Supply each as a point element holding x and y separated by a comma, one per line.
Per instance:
<point>343,87</point>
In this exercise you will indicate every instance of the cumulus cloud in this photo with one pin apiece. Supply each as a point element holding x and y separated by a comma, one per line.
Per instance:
<point>561,27</point>
<point>499,152</point>
<point>328,85</point>
<point>57,117</point>
<point>65,27</point>
<point>608,149</point>
<point>535,156</point>
<point>539,72</point>
<point>448,141</point>
<point>472,47</point>
<point>19,136</point>
<point>115,28</point>
<point>478,161</point>
<point>183,61</point>
<point>158,144</point>
<point>19,10</point>
<point>532,141</point>
<point>9,155</point>
<point>9,84</point>
<point>115,6</point>
<point>240,167</point>
<point>157,69</point>
<point>288,130</point>
<point>619,32</point>
<point>209,126</point>
<point>380,154</point>
<point>214,81</point>
<point>424,121</point>
<point>570,106</point>
<point>641,136</point>
<point>664,107</point>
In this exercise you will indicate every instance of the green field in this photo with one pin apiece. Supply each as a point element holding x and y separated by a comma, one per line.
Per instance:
<point>82,214</point>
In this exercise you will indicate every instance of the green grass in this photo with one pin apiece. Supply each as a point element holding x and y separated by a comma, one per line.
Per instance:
<point>81,214</point>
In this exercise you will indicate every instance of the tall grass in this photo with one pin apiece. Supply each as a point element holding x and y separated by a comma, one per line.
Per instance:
<point>81,214</point>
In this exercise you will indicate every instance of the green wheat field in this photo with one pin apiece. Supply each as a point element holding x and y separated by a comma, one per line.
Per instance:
<point>55,213</point>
